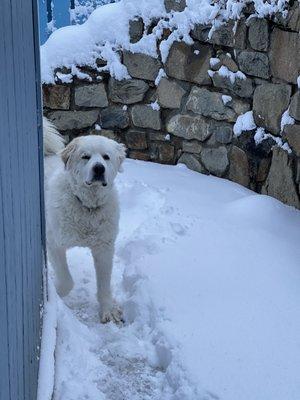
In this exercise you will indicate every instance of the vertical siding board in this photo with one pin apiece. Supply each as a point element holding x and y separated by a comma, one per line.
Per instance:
<point>21,207</point>
<point>15,334</point>
<point>4,350</point>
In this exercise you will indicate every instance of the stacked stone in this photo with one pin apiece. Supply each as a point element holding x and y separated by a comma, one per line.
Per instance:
<point>188,117</point>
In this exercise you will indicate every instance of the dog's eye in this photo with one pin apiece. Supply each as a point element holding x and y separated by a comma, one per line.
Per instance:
<point>106,157</point>
<point>85,157</point>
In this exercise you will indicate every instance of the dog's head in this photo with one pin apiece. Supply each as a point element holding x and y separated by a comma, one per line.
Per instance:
<point>93,160</point>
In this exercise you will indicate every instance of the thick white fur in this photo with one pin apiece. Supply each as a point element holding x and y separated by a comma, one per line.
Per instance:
<point>53,141</point>
<point>80,212</point>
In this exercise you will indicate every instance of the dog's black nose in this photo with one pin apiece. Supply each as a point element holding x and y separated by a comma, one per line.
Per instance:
<point>98,170</point>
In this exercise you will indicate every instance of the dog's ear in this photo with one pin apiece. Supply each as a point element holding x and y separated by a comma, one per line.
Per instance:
<point>121,149</point>
<point>68,151</point>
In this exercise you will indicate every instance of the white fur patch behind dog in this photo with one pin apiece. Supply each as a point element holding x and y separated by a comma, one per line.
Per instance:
<point>53,141</point>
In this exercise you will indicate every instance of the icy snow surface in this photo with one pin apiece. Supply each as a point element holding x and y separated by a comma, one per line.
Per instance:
<point>208,275</point>
<point>107,30</point>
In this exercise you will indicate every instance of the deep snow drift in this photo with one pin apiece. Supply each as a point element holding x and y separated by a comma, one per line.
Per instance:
<point>208,275</point>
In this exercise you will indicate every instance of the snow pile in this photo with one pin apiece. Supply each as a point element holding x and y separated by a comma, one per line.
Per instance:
<point>286,119</point>
<point>244,122</point>
<point>226,73</point>
<point>226,99</point>
<point>261,135</point>
<point>48,344</point>
<point>84,8</point>
<point>155,106</point>
<point>161,74</point>
<point>107,30</point>
<point>214,61</point>
<point>208,276</point>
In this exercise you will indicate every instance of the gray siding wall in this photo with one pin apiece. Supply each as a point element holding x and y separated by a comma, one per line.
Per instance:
<point>21,201</point>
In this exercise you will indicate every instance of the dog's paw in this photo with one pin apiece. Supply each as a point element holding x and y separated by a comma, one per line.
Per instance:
<point>64,288</point>
<point>113,314</point>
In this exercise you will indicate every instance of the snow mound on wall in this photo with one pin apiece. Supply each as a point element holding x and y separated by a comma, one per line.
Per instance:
<point>107,30</point>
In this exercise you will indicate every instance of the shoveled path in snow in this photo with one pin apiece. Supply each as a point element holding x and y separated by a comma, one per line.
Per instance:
<point>95,361</point>
<point>208,276</point>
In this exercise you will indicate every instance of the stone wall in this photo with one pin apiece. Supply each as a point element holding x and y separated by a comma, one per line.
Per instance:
<point>190,115</point>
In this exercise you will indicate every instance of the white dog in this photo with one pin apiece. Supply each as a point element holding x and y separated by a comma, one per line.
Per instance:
<point>82,208</point>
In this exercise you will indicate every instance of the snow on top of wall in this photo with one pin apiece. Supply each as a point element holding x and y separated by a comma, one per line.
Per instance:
<point>107,30</point>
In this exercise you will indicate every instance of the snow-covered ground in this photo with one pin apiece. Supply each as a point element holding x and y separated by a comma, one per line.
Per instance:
<point>208,275</point>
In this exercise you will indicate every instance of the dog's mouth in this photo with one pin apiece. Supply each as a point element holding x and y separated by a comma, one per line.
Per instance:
<point>94,181</point>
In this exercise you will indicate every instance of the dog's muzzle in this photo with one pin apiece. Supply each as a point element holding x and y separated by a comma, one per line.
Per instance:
<point>98,174</point>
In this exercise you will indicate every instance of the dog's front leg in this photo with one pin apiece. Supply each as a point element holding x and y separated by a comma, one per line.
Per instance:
<point>103,261</point>
<point>63,279</point>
